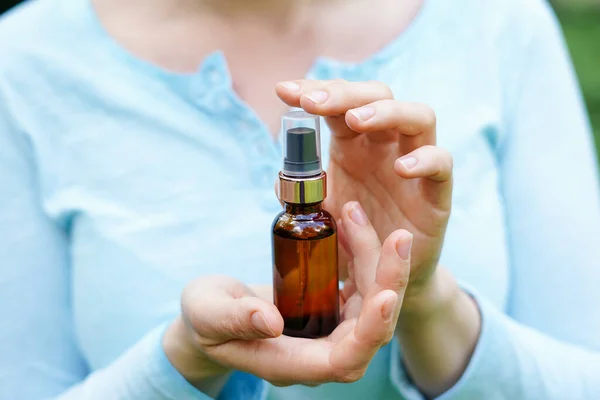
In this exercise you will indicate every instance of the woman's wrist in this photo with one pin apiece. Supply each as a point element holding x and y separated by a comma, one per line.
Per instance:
<point>428,300</point>
<point>438,334</point>
<point>192,363</point>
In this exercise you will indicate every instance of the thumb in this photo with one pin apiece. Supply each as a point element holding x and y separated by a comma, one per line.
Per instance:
<point>220,309</point>
<point>244,318</point>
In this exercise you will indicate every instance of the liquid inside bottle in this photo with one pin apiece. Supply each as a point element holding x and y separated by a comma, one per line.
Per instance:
<point>305,271</point>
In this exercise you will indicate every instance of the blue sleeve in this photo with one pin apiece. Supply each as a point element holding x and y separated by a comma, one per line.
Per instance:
<point>39,357</point>
<point>547,344</point>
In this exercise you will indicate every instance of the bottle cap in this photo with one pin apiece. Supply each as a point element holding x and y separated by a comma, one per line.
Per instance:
<point>301,144</point>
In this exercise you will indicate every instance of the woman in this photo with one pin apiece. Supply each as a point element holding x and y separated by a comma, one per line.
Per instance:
<point>136,161</point>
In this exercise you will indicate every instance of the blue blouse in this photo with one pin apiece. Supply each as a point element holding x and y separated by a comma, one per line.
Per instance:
<point>121,182</point>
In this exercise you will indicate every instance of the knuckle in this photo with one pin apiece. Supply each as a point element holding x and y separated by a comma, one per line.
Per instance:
<point>366,252</point>
<point>428,115</point>
<point>401,281</point>
<point>444,162</point>
<point>385,90</point>
<point>439,152</point>
<point>430,148</point>
<point>375,342</point>
<point>186,300</point>
<point>373,248</point>
<point>206,346</point>
<point>191,291</point>
<point>238,289</point>
<point>233,325</point>
<point>189,312</point>
<point>336,85</point>
<point>448,159</point>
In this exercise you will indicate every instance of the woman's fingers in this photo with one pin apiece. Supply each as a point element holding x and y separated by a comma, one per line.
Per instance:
<point>228,308</point>
<point>281,361</point>
<point>342,357</point>
<point>380,309</point>
<point>375,267</point>
<point>345,267</point>
<point>363,243</point>
<point>391,274</point>
<point>291,91</point>
<point>388,266</point>
<point>381,274</point>
<point>352,307</point>
<point>367,107</point>
<point>412,124</point>
<point>429,162</point>
<point>433,163</point>
<point>374,328</point>
<point>220,308</point>
<point>393,269</point>
<point>331,98</point>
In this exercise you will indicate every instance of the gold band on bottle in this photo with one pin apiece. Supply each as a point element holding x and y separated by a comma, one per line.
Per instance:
<point>308,190</point>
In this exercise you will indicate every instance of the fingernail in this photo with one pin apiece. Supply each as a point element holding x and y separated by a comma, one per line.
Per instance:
<point>259,322</point>
<point>403,247</point>
<point>387,311</point>
<point>363,113</point>
<point>291,86</point>
<point>408,162</point>
<point>357,214</point>
<point>318,97</point>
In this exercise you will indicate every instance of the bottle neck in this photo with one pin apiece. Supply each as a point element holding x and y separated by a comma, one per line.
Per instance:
<point>309,190</point>
<point>296,209</point>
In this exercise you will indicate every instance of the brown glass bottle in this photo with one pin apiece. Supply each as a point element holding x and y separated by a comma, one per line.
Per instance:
<point>305,257</point>
<point>305,270</point>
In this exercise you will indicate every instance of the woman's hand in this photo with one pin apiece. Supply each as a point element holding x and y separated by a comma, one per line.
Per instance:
<point>225,325</point>
<point>383,155</point>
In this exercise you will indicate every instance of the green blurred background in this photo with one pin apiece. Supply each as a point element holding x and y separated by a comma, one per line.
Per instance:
<point>581,24</point>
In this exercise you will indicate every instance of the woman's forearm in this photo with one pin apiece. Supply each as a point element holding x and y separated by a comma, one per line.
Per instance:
<point>439,337</point>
